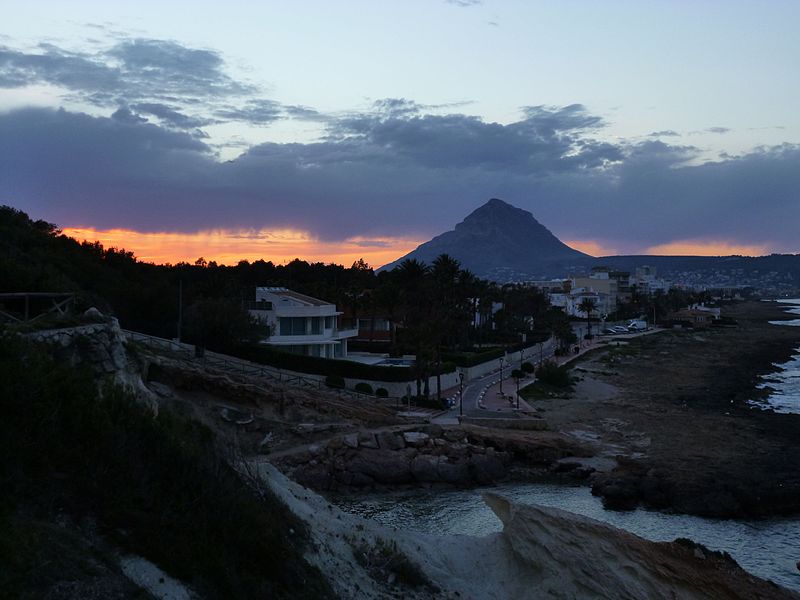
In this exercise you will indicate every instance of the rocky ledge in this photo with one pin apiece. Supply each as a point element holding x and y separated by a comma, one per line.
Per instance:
<point>461,456</point>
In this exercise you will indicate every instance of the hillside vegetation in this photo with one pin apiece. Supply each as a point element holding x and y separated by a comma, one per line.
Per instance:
<point>156,487</point>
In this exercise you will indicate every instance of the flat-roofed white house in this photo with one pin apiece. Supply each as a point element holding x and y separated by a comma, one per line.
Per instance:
<point>300,324</point>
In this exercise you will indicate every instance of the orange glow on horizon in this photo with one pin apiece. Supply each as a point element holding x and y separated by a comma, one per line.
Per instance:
<point>228,247</point>
<point>591,247</point>
<point>697,247</point>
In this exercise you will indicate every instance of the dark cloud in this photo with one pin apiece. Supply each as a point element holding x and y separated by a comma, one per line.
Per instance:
<point>255,112</point>
<point>371,243</point>
<point>306,113</point>
<point>125,115</point>
<point>180,86</point>
<point>547,139</point>
<point>717,130</point>
<point>389,176</point>
<point>58,67</point>
<point>171,117</point>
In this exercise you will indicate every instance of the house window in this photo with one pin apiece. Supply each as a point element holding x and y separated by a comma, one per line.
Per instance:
<point>292,326</point>
<point>329,323</point>
<point>316,325</point>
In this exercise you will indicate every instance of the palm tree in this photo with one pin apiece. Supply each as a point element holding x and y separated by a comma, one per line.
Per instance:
<point>588,305</point>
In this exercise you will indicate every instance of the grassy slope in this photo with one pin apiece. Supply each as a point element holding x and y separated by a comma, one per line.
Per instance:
<point>158,487</point>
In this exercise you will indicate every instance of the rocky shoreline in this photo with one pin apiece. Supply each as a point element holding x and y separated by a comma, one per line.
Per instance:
<point>709,451</point>
<point>463,456</point>
<point>675,431</point>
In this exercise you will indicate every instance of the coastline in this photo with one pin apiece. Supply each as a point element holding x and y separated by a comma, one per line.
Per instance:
<point>680,424</point>
<point>663,421</point>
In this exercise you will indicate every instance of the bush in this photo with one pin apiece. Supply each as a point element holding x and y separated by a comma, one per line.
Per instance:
<point>325,366</point>
<point>517,374</point>
<point>470,360</point>
<point>160,487</point>
<point>382,393</point>
<point>528,367</point>
<point>552,374</point>
<point>334,381</point>
<point>364,388</point>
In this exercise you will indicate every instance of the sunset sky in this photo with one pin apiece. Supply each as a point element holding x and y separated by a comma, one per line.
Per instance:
<point>332,131</point>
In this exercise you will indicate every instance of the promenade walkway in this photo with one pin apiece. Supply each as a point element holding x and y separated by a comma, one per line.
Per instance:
<point>490,400</point>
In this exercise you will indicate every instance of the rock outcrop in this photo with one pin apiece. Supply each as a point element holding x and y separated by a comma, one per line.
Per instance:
<point>461,456</point>
<point>540,553</point>
<point>101,345</point>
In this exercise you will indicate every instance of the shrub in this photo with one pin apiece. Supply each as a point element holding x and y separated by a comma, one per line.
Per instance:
<point>517,374</point>
<point>470,360</point>
<point>325,366</point>
<point>528,367</point>
<point>159,486</point>
<point>364,388</point>
<point>552,374</point>
<point>382,393</point>
<point>334,381</point>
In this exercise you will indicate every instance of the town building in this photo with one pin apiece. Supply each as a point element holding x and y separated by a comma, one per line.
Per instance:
<point>696,317</point>
<point>647,282</point>
<point>301,324</point>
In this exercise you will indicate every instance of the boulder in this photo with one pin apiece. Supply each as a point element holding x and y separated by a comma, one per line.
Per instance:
<point>94,315</point>
<point>389,440</point>
<point>384,466</point>
<point>453,435</point>
<point>455,471</point>
<point>486,469</point>
<point>367,440</point>
<point>424,468</point>
<point>416,439</point>
<point>351,441</point>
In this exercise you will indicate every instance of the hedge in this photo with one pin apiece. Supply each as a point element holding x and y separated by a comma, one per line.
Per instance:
<point>326,366</point>
<point>334,381</point>
<point>470,360</point>
<point>382,393</point>
<point>364,388</point>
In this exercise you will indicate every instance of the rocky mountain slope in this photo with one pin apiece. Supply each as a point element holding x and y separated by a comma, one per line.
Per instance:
<point>499,235</point>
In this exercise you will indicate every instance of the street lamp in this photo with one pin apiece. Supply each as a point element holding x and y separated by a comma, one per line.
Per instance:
<point>517,393</point>
<point>501,374</point>
<point>461,393</point>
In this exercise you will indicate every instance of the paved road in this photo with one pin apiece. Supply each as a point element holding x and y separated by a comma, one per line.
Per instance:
<point>475,389</point>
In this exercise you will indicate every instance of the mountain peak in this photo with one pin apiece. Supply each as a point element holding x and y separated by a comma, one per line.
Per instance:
<point>498,236</point>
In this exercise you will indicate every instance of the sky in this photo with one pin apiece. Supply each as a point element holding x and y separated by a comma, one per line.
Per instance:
<point>332,131</point>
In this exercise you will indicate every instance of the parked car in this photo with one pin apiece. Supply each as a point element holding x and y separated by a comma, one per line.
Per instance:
<point>637,325</point>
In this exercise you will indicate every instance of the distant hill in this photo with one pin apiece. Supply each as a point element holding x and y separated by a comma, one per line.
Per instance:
<point>500,236</point>
<point>504,243</point>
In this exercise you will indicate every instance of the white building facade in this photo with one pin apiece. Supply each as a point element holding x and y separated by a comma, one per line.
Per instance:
<point>301,324</point>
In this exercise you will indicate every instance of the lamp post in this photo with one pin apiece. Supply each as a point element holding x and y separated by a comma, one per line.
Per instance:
<point>502,358</point>
<point>517,393</point>
<point>461,393</point>
<point>541,352</point>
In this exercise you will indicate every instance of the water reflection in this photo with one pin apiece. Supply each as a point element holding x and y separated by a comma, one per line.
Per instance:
<point>768,548</point>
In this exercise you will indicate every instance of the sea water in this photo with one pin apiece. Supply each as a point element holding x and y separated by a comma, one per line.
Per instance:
<point>769,548</point>
<point>786,381</point>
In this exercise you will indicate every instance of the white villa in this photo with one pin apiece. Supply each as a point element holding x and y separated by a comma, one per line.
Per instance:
<point>300,324</point>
